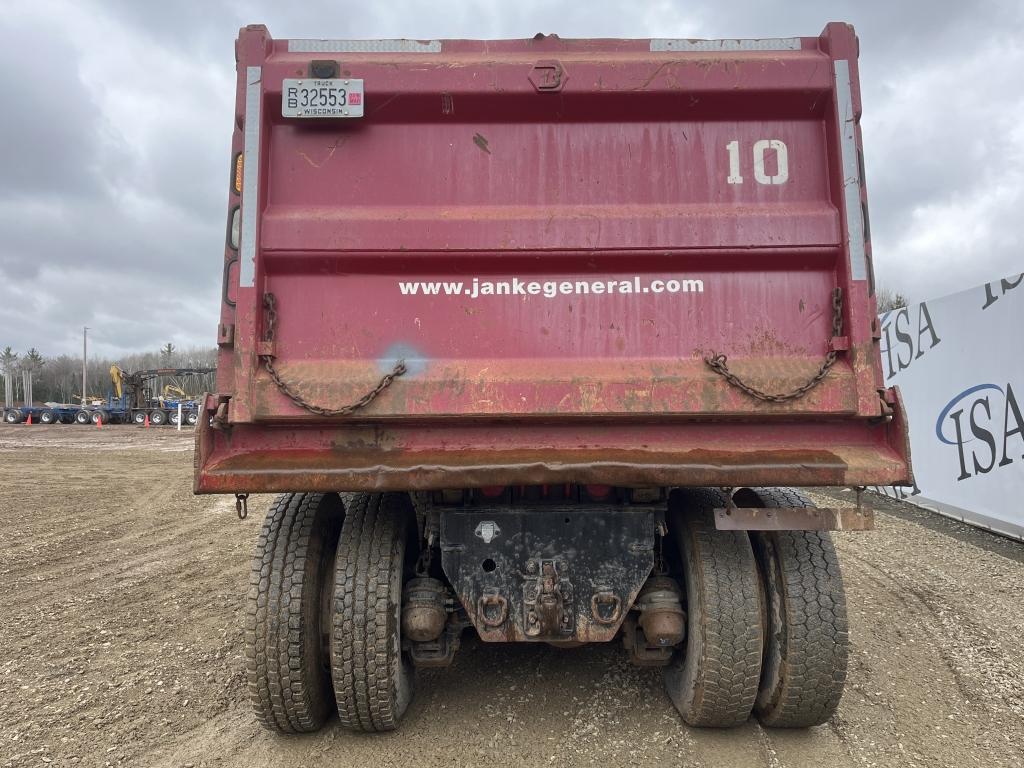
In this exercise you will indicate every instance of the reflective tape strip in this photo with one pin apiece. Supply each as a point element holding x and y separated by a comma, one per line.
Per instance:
<point>250,177</point>
<point>851,171</point>
<point>767,44</point>
<point>364,46</point>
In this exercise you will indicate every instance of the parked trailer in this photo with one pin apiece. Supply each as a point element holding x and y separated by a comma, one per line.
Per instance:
<point>128,401</point>
<point>559,316</point>
<point>50,413</point>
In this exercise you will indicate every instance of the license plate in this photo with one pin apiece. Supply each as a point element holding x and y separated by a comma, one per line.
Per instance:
<point>334,97</point>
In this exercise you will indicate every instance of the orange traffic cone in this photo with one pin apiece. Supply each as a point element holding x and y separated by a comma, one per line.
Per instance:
<point>99,422</point>
<point>147,421</point>
<point>28,421</point>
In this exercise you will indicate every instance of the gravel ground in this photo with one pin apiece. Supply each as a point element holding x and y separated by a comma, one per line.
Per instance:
<point>122,605</point>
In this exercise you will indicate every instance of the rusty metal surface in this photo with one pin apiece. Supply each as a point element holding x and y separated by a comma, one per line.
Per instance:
<point>591,162</point>
<point>423,609</point>
<point>794,519</point>
<point>836,342</point>
<point>559,574</point>
<point>435,456</point>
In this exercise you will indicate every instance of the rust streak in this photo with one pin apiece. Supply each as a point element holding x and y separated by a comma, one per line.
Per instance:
<point>333,148</point>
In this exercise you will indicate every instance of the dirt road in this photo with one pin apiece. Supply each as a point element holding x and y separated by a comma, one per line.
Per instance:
<point>121,643</point>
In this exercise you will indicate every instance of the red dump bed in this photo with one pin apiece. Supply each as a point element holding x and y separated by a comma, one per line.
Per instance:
<point>547,240</point>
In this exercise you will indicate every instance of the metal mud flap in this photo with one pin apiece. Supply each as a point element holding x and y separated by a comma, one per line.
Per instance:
<point>548,574</point>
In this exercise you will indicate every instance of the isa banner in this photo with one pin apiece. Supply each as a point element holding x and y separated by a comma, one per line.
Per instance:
<point>959,361</point>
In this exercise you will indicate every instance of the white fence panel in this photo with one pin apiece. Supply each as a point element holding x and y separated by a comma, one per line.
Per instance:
<point>959,361</point>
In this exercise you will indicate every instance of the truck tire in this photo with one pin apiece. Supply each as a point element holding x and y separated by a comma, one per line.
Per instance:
<point>807,644</point>
<point>139,417</point>
<point>192,418</point>
<point>373,678</point>
<point>286,622</point>
<point>96,416</point>
<point>13,416</point>
<point>713,680</point>
<point>83,417</point>
<point>48,417</point>
<point>157,417</point>
<point>172,418</point>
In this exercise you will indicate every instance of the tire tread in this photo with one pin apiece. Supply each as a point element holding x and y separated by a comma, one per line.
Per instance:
<point>289,690</point>
<point>813,665</point>
<point>717,686</point>
<point>370,682</point>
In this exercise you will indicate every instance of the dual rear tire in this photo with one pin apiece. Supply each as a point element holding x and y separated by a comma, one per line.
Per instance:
<point>767,628</point>
<point>323,619</point>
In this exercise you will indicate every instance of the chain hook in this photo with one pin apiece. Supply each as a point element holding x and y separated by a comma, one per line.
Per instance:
<point>242,505</point>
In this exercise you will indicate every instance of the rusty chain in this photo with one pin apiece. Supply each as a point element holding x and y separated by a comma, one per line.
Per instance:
<point>270,305</point>
<point>717,363</point>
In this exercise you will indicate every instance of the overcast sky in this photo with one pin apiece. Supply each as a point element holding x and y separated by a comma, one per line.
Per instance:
<point>115,122</point>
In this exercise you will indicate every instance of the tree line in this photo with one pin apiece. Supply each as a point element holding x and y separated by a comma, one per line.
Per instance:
<point>888,299</point>
<point>59,379</point>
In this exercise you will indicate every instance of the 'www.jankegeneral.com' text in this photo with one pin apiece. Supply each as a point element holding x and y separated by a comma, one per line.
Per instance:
<point>549,289</point>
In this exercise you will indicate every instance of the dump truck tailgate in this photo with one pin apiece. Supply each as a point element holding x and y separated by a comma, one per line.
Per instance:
<point>517,264</point>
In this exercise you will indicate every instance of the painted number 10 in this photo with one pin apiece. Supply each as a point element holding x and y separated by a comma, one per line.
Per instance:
<point>760,148</point>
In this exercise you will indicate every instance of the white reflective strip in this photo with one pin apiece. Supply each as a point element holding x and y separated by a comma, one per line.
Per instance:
<point>250,177</point>
<point>364,46</point>
<point>851,171</point>
<point>767,44</point>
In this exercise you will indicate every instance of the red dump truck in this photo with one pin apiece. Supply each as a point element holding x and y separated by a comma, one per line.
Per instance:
<point>528,334</point>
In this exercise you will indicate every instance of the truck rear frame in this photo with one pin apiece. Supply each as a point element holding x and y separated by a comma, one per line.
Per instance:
<point>528,345</point>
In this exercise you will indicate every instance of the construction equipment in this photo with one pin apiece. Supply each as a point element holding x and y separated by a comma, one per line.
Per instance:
<point>559,317</point>
<point>131,399</point>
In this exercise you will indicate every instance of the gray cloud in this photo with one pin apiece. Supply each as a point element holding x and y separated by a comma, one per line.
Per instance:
<point>59,145</point>
<point>112,205</point>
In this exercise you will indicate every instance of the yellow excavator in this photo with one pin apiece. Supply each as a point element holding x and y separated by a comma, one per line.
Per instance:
<point>175,392</point>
